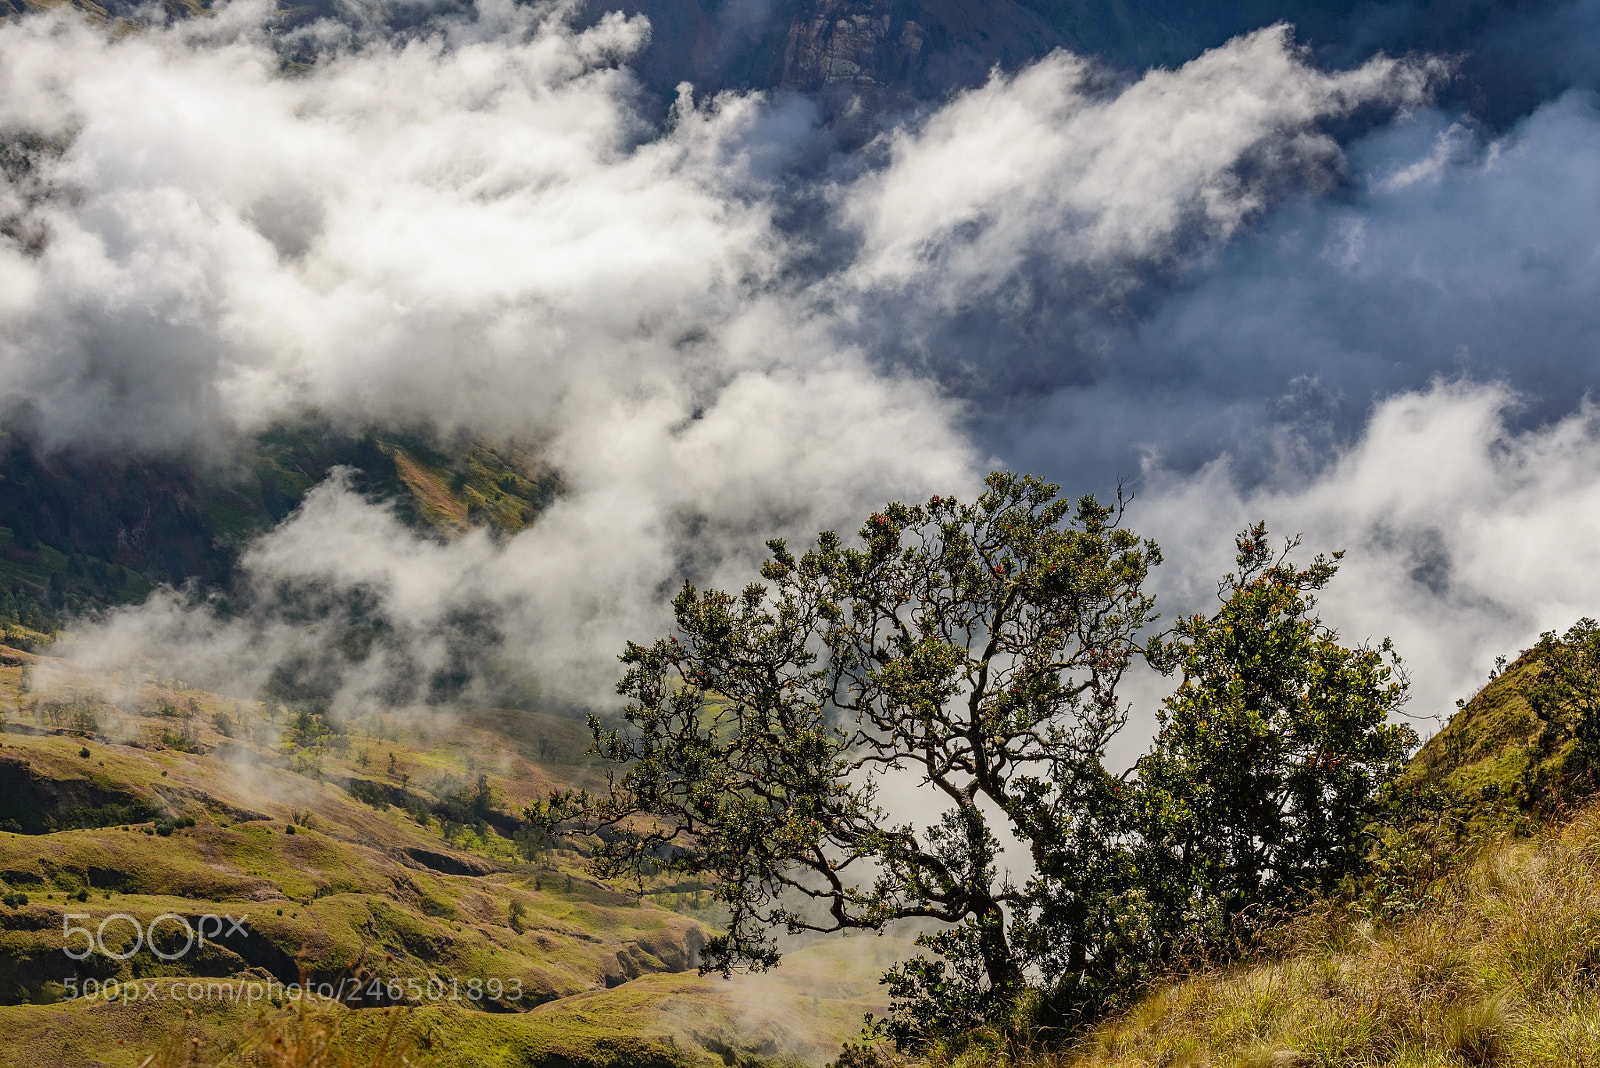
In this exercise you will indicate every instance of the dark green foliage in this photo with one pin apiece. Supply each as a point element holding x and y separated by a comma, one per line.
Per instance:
<point>103,815</point>
<point>859,1055</point>
<point>946,995</point>
<point>469,805</point>
<point>1564,694</point>
<point>532,841</point>
<point>1270,765</point>
<point>15,900</point>
<point>977,645</point>
<point>1272,753</point>
<point>166,825</point>
<point>416,807</point>
<point>980,647</point>
<point>311,726</point>
<point>369,793</point>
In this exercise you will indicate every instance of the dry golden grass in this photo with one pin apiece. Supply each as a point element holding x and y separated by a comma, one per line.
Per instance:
<point>1501,970</point>
<point>301,1037</point>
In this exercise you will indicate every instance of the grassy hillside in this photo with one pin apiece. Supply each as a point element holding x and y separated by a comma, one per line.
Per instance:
<point>1473,941</point>
<point>375,851</point>
<point>370,854</point>
<point>1501,968</point>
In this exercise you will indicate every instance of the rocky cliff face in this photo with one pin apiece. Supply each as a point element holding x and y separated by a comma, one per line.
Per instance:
<point>859,58</point>
<point>856,57</point>
<point>863,57</point>
<point>880,55</point>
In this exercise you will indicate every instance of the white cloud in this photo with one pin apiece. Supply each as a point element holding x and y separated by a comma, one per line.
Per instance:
<point>449,233</point>
<point>467,231</point>
<point>476,230</point>
<point>1051,162</point>
<point>1465,537</point>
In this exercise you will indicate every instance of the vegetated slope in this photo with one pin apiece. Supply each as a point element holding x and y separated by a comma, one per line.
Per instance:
<point>1475,940</point>
<point>80,532</point>
<point>385,842</point>
<point>1498,764</point>
<point>382,850</point>
<point>1499,967</point>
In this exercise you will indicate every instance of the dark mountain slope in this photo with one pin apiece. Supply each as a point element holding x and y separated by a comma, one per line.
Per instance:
<point>79,532</point>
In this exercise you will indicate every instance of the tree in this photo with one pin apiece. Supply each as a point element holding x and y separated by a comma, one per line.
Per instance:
<point>978,647</point>
<point>1272,752</point>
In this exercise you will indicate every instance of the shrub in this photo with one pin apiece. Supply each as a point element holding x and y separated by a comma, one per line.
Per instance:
<point>1478,1031</point>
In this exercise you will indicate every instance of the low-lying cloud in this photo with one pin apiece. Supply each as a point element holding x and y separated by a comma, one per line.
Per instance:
<point>1185,277</point>
<point>1054,162</point>
<point>1465,537</point>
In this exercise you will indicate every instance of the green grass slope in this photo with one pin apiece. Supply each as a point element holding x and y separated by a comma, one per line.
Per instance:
<point>386,853</point>
<point>378,851</point>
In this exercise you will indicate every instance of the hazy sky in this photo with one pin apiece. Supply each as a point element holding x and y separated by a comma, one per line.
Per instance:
<point>1343,299</point>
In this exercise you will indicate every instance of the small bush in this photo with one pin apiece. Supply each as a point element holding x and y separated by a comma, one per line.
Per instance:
<point>1478,1032</point>
<point>369,793</point>
<point>165,826</point>
<point>863,1055</point>
<point>15,900</point>
<point>437,908</point>
<point>84,752</point>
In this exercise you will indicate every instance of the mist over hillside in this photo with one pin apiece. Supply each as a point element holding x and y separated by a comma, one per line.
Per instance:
<point>1339,276</point>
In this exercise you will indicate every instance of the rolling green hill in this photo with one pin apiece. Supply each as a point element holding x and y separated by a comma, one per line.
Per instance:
<point>377,854</point>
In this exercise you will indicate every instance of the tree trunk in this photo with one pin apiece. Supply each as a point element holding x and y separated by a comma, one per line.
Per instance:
<point>1005,976</point>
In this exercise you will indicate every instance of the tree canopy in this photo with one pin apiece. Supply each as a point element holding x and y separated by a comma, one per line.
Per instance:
<point>980,647</point>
